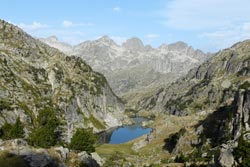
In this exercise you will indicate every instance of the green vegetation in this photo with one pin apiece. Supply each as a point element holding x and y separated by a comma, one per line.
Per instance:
<point>245,85</point>
<point>96,122</point>
<point>181,158</point>
<point>44,134</point>
<point>9,131</point>
<point>11,160</point>
<point>83,140</point>
<point>114,160</point>
<point>243,152</point>
<point>112,149</point>
<point>4,104</point>
<point>47,117</point>
<point>243,71</point>
<point>43,137</point>
<point>59,74</point>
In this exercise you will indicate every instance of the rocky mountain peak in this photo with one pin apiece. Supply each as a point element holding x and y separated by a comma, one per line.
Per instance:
<point>178,46</point>
<point>106,40</point>
<point>52,38</point>
<point>54,42</point>
<point>134,44</point>
<point>127,66</point>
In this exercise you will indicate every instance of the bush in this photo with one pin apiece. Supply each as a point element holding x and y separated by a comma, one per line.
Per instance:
<point>47,117</point>
<point>4,105</point>
<point>14,131</point>
<point>44,137</point>
<point>243,152</point>
<point>181,158</point>
<point>44,134</point>
<point>245,85</point>
<point>83,140</point>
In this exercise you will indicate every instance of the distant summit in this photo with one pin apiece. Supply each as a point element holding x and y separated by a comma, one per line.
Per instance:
<point>54,42</point>
<point>52,38</point>
<point>134,44</point>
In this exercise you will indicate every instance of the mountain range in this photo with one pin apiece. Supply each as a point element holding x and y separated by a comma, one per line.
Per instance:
<point>132,66</point>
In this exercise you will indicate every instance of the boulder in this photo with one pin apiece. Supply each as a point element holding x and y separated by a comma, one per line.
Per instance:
<point>63,153</point>
<point>97,158</point>
<point>226,158</point>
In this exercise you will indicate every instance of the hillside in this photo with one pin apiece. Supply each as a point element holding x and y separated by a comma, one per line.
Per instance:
<point>35,77</point>
<point>212,103</point>
<point>206,87</point>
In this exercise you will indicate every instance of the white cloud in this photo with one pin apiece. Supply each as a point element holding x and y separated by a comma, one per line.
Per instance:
<point>68,24</point>
<point>70,36</point>
<point>226,37</point>
<point>117,9</point>
<point>32,27</point>
<point>66,35</point>
<point>205,14</point>
<point>246,27</point>
<point>150,36</point>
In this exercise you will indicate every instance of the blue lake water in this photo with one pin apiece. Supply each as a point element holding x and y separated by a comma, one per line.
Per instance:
<point>125,133</point>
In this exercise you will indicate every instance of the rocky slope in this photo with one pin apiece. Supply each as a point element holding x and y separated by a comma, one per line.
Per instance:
<point>205,116</point>
<point>36,77</point>
<point>217,94</point>
<point>132,65</point>
<point>206,87</point>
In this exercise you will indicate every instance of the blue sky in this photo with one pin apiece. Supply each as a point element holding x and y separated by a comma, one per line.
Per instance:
<point>209,25</point>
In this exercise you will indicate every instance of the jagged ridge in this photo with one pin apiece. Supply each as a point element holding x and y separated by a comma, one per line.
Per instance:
<point>132,65</point>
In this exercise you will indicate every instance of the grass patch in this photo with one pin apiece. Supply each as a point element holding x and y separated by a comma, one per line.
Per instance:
<point>96,122</point>
<point>112,149</point>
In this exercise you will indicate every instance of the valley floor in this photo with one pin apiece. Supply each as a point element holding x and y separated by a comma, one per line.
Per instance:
<point>140,151</point>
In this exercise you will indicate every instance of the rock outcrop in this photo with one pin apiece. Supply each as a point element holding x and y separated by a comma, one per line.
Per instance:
<point>52,157</point>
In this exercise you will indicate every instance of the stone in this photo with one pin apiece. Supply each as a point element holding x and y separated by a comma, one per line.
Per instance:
<point>226,158</point>
<point>97,158</point>
<point>63,152</point>
<point>226,84</point>
<point>83,155</point>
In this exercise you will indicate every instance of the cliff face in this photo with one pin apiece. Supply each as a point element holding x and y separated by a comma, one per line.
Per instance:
<point>35,76</point>
<point>211,84</point>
